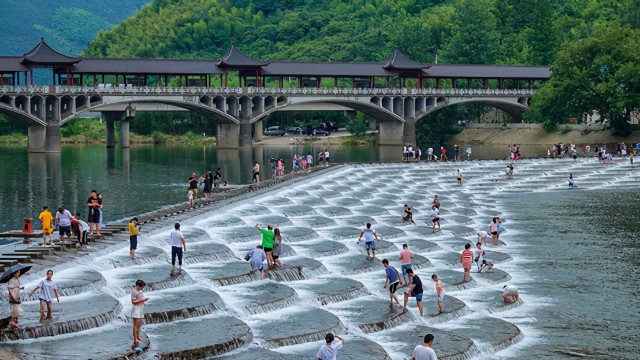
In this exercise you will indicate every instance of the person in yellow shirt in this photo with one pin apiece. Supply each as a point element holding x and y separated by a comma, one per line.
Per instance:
<point>47,229</point>
<point>134,230</point>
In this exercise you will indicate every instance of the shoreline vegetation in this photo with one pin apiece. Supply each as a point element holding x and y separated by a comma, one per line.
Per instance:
<point>494,136</point>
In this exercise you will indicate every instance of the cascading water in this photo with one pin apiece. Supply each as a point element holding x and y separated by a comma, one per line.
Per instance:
<point>326,283</point>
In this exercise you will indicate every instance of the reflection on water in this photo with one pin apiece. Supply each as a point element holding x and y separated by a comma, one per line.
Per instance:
<point>144,178</point>
<point>132,181</point>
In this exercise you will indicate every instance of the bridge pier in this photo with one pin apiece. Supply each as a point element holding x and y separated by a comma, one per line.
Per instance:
<point>258,131</point>
<point>109,118</point>
<point>391,133</point>
<point>124,133</point>
<point>227,136</point>
<point>37,137</point>
<point>246,139</point>
<point>53,138</point>
<point>409,132</point>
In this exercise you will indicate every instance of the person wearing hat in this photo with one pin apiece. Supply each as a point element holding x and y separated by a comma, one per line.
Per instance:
<point>137,312</point>
<point>329,351</point>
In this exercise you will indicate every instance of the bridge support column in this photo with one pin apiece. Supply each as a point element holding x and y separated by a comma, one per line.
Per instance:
<point>124,133</point>
<point>245,133</point>
<point>390,133</point>
<point>409,132</point>
<point>258,131</point>
<point>228,136</point>
<point>53,138</point>
<point>37,138</point>
<point>109,119</point>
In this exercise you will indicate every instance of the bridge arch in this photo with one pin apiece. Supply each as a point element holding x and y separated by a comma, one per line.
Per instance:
<point>513,108</point>
<point>198,107</point>
<point>12,109</point>
<point>370,109</point>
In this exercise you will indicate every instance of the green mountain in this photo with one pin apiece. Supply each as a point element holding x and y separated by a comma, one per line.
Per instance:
<point>458,31</point>
<point>67,25</point>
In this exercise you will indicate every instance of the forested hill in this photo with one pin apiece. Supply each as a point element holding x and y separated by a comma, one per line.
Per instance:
<point>458,31</point>
<point>68,25</point>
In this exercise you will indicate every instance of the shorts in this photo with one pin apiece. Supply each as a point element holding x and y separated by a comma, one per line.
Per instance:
<point>417,296</point>
<point>440,297</point>
<point>459,179</point>
<point>267,249</point>
<point>137,312</point>
<point>47,301</point>
<point>494,233</point>
<point>435,220</point>
<point>275,257</point>
<point>133,242</point>
<point>64,230</point>
<point>47,231</point>
<point>393,287</point>
<point>94,218</point>
<point>370,245</point>
<point>255,174</point>
<point>404,269</point>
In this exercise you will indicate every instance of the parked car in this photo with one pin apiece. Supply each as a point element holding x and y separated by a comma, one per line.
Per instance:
<point>320,132</point>
<point>274,131</point>
<point>464,122</point>
<point>294,130</point>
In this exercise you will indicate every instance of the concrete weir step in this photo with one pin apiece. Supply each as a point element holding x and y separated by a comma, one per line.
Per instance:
<point>16,257</point>
<point>41,249</point>
<point>32,254</point>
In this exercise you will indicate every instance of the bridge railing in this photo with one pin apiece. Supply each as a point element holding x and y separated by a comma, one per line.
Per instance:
<point>152,90</point>
<point>116,90</point>
<point>389,91</point>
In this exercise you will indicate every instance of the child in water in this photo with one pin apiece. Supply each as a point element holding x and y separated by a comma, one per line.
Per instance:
<point>572,184</point>
<point>190,197</point>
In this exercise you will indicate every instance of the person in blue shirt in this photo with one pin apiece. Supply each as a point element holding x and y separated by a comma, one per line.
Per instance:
<point>415,290</point>
<point>393,279</point>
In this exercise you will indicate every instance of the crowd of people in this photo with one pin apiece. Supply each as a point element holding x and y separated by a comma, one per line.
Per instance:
<point>409,153</point>
<point>207,182</point>
<point>68,224</point>
<point>269,250</point>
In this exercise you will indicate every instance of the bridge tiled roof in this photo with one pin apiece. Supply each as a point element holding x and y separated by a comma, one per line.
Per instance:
<point>327,69</point>
<point>43,54</point>
<point>146,66</point>
<point>11,64</point>
<point>400,61</point>
<point>487,72</point>
<point>234,58</point>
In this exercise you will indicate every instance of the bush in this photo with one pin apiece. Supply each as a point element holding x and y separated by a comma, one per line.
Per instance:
<point>549,125</point>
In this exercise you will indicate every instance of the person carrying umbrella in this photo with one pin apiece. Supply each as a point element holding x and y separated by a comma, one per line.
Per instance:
<point>47,289</point>
<point>11,276</point>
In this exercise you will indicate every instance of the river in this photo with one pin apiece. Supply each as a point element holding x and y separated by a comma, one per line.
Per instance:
<point>572,254</point>
<point>145,178</point>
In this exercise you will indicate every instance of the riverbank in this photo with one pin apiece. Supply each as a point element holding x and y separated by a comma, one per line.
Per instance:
<point>534,134</point>
<point>134,139</point>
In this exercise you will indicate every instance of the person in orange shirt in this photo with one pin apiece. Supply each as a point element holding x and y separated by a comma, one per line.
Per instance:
<point>47,229</point>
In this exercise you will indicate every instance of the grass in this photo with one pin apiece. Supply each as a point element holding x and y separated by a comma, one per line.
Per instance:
<point>358,141</point>
<point>92,138</point>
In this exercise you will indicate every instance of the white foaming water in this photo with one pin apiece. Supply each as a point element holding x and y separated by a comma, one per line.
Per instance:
<point>389,187</point>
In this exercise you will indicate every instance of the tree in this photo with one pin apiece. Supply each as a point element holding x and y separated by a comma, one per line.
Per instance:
<point>600,73</point>
<point>357,126</point>
<point>475,38</point>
